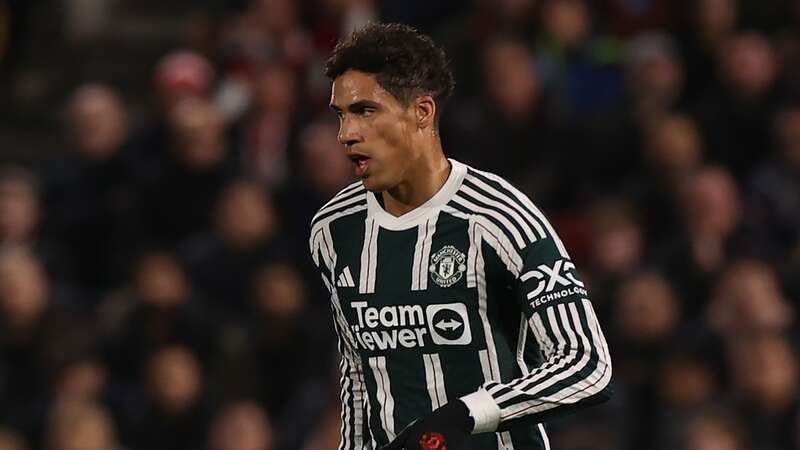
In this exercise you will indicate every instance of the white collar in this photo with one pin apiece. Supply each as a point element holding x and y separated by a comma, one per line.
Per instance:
<point>422,212</point>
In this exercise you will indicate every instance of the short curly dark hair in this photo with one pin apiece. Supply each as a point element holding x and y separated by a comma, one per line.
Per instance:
<point>406,63</point>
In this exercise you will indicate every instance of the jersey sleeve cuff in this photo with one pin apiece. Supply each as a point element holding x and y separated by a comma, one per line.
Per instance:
<point>484,410</point>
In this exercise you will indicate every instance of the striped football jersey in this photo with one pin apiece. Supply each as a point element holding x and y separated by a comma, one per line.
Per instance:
<point>471,295</point>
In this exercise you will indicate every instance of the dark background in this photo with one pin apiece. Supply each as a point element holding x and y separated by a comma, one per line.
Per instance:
<point>160,162</point>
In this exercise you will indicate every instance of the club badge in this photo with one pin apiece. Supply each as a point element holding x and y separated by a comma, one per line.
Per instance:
<point>447,266</point>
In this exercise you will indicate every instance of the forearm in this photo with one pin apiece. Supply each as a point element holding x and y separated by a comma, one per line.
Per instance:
<point>576,372</point>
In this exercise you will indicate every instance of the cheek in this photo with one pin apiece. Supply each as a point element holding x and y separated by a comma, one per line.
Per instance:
<point>396,138</point>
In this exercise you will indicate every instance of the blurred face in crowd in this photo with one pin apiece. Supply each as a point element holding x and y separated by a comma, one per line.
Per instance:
<point>322,163</point>
<point>23,287</point>
<point>712,433</point>
<point>510,76</point>
<point>686,382</point>
<point>748,300</point>
<point>379,132</point>
<point>174,379</point>
<point>748,64</point>
<point>242,426</point>
<point>655,72</point>
<point>509,10</point>
<point>160,280</point>
<point>98,120</point>
<point>199,132</point>
<point>647,310</point>
<point>788,124</point>
<point>277,16</point>
<point>11,441</point>
<point>566,21</point>
<point>617,242</point>
<point>765,370</point>
<point>19,208</point>
<point>712,204</point>
<point>280,292</point>
<point>245,214</point>
<point>79,425</point>
<point>275,86</point>
<point>182,75</point>
<point>674,144</point>
<point>715,18</point>
<point>83,379</point>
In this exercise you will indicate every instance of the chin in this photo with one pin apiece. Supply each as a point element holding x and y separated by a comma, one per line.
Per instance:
<point>373,185</point>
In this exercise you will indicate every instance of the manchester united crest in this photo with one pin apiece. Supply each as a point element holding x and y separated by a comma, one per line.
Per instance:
<point>447,266</point>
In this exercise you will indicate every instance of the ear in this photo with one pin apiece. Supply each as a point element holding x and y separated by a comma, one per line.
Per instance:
<point>425,110</point>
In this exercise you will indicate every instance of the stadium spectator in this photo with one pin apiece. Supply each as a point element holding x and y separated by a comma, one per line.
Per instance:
<point>241,425</point>
<point>90,192</point>
<point>10,440</point>
<point>579,65</point>
<point>80,425</point>
<point>715,429</point>
<point>175,413</point>
<point>748,300</point>
<point>687,383</point>
<point>764,372</point>
<point>702,32</point>
<point>36,324</point>
<point>737,117</point>
<point>159,310</point>
<point>268,129</point>
<point>282,334</point>
<point>322,174</point>
<point>672,150</point>
<point>773,204</point>
<point>222,260</point>
<point>179,76</point>
<point>179,201</point>
<point>21,216</point>
<point>711,222</point>
<point>647,315</point>
<point>19,206</point>
<point>617,247</point>
<point>511,113</point>
<point>661,138</point>
<point>654,76</point>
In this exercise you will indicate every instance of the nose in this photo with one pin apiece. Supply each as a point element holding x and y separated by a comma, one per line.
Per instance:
<point>348,133</point>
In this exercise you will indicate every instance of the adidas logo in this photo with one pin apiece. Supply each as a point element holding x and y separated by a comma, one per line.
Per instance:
<point>345,279</point>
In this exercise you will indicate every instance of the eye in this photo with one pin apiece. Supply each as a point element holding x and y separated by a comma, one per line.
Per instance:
<point>365,111</point>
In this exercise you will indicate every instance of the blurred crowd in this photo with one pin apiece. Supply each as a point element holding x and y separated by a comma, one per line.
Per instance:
<point>155,288</point>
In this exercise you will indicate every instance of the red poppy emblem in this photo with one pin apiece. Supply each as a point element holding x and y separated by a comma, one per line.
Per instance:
<point>432,441</point>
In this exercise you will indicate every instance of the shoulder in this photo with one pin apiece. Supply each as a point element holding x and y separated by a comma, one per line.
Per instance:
<point>349,200</point>
<point>493,198</point>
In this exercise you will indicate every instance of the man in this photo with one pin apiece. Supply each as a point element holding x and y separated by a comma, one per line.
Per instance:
<point>457,307</point>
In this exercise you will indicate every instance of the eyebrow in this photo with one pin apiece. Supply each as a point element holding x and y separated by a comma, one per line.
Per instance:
<point>356,105</point>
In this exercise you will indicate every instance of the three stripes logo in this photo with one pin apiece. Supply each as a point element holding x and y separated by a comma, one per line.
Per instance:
<point>345,279</point>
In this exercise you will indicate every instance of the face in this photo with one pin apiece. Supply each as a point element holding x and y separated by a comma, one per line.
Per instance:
<point>243,426</point>
<point>174,378</point>
<point>511,77</point>
<point>160,280</point>
<point>378,131</point>
<point>99,121</point>
<point>19,211</point>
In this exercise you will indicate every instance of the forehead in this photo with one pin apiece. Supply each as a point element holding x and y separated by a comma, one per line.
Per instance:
<point>355,86</point>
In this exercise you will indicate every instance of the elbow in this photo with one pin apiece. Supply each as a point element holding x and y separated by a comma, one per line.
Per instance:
<point>602,387</point>
<point>606,393</point>
<point>605,388</point>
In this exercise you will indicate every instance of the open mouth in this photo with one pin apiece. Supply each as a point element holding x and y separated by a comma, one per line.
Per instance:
<point>360,165</point>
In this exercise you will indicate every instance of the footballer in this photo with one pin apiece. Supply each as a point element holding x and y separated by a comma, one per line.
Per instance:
<point>462,321</point>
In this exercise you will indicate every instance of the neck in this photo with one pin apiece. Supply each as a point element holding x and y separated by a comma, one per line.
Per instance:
<point>423,181</point>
